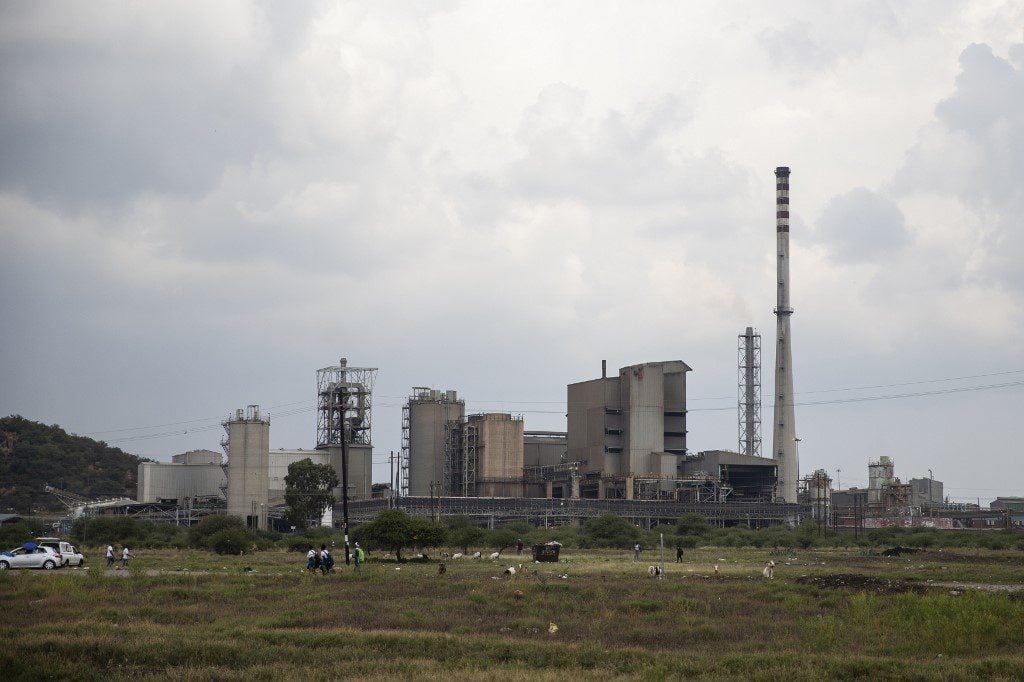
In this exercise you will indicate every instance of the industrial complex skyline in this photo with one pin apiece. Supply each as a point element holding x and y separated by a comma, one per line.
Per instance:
<point>198,210</point>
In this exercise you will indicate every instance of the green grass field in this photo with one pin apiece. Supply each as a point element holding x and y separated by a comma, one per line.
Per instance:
<point>827,614</point>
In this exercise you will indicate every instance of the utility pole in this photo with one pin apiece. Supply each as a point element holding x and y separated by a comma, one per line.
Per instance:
<point>391,480</point>
<point>344,481</point>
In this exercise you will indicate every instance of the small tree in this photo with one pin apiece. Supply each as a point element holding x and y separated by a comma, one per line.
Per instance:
<point>466,536</point>
<point>501,538</point>
<point>308,490</point>
<point>393,529</point>
<point>426,533</point>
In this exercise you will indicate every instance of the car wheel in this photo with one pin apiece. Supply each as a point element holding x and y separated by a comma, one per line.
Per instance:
<point>4,565</point>
<point>49,565</point>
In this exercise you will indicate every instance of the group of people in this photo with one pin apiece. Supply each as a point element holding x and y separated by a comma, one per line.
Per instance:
<point>324,560</point>
<point>126,554</point>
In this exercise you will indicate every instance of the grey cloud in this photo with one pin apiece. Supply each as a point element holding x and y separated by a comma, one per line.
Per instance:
<point>617,158</point>
<point>97,117</point>
<point>974,151</point>
<point>826,33</point>
<point>862,225</point>
<point>795,47</point>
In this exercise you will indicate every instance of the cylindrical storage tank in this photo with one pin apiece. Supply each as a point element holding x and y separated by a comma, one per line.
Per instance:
<point>429,411</point>
<point>249,467</point>
<point>500,469</point>
<point>820,491</point>
<point>880,474</point>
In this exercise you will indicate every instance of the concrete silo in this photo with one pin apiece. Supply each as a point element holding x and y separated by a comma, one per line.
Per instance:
<point>248,467</point>
<point>430,423</point>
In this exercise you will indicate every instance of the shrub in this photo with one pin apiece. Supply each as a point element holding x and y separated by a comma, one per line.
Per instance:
<point>223,534</point>
<point>230,541</point>
<point>609,530</point>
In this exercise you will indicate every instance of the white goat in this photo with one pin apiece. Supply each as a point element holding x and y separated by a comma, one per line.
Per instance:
<point>769,570</point>
<point>510,572</point>
<point>654,571</point>
<point>495,555</point>
<point>476,555</point>
<point>457,555</point>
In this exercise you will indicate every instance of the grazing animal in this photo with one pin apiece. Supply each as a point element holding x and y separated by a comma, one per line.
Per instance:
<point>441,568</point>
<point>445,555</point>
<point>769,570</point>
<point>476,555</point>
<point>457,555</point>
<point>387,556</point>
<point>518,594</point>
<point>510,572</point>
<point>654,571</point>
<point>717,574</point>
<point>495,555</point>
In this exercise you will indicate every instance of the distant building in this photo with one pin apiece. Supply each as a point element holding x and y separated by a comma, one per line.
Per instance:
<point>925,492</point>
<point>629,426</point>
<point>279,461</point>
<point>197,473</point>
<point>1014,504</point>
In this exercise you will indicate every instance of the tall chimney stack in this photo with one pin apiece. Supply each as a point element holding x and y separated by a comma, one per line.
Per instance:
<point>784,426</point>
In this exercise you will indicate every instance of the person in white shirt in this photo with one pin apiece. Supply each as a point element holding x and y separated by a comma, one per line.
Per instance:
<point>311,560</point>
<point>125,556</point>
<point>110,556</point>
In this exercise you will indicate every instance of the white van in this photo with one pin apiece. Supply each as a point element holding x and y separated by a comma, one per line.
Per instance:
<point>71,555</point>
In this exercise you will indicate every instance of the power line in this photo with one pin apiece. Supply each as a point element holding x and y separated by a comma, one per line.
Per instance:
<point>310,406</point>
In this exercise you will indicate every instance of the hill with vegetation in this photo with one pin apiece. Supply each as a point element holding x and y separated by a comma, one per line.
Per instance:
<point>34,454</point>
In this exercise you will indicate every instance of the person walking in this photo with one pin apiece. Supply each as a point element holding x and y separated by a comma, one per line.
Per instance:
<point>311,560</point>
<point>519,547</point>
<point>636,551</point>
<point>126,554</point>
<point>110,556</point>
<point>679,553</point>
<point>360,557</point>
<point>326,560</point>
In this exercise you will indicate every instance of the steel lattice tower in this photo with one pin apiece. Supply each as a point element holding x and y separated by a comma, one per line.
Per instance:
<point>749,392</point>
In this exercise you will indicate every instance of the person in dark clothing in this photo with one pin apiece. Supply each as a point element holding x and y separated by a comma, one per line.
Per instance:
<point>679,553</point>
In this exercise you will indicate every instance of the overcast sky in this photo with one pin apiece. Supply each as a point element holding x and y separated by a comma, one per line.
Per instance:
<point>202,203</point>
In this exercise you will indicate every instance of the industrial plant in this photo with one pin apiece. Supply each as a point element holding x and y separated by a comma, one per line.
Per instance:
<point>624,451</point>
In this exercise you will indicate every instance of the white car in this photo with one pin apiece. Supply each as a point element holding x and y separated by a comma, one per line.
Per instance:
<point>70,554</point>
<point>30,555</point>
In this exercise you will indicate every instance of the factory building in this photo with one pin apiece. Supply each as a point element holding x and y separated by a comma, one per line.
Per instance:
<point>446,453</point>
<point>197,473</point>
<point>925,492</point>
<point>546,470</point>
<point>629,426</point>
<point>428,419</point>
<point>280,459</point>
<point>248,468</point>
<point>815,495</point>
<point>739,477</point>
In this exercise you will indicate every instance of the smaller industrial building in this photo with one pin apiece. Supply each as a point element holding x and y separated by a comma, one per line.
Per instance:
<point>190,475</point>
